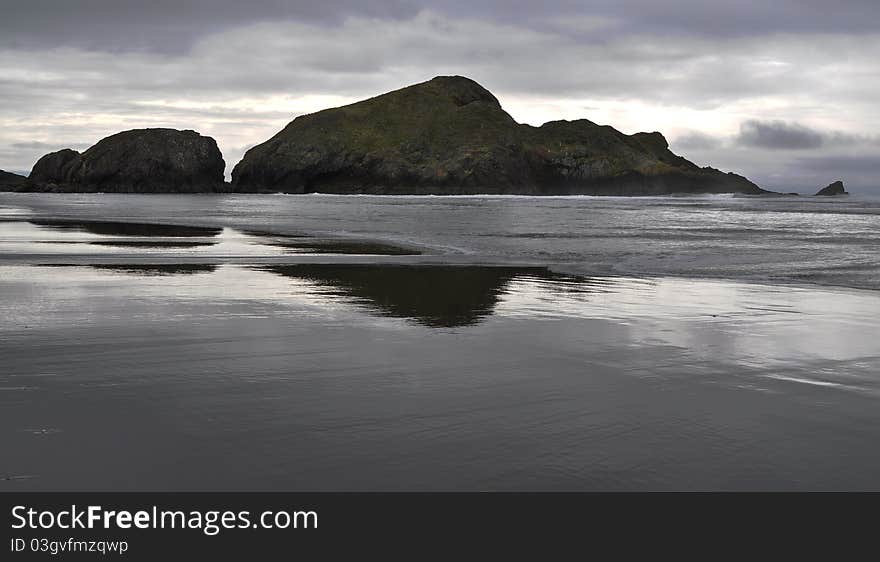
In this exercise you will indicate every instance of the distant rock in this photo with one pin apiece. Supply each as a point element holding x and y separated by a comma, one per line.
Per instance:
<point>10,181</point>
<point>450,136</point>
<point>137,161</point>
<point>835,188</point>
<point>55,167</point>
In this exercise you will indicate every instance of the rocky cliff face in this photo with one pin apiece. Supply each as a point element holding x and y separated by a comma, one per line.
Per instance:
<point>835,188</point>
<point>137,161</point>
<point>450,135</point>
<point>10,181</point>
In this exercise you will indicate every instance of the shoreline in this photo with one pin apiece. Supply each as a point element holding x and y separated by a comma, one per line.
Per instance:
<point>430,255</point>
<point>684,195</point>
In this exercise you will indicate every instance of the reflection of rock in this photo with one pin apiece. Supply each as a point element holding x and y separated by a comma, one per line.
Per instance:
<point>158,268</point>
<point>109,228</point>
<point>165,244</point>
<point>137,161</point>
<point>436,296</point>
<point>303,245</point>
<point>10,181</point>
<point>835,188</point>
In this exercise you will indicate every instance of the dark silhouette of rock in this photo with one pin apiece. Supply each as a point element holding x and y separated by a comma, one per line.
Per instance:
<point>10,181</point>
<point>54,168</point>
<point>835,188</point>
<point>137,161</point>
<point>450,135</point>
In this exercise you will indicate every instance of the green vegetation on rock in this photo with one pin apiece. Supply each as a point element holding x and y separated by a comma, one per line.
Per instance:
<point>450,135</point>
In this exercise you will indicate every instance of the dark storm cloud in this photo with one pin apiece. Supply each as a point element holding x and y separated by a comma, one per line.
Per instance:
<point>779,135</point>
<point>695,140</point>
<point>750,17</point>
<point>172,26</point>
<point>167,26</point>
<point>74,71</point>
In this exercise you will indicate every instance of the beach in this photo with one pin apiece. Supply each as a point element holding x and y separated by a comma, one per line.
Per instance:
<point>368,343</point>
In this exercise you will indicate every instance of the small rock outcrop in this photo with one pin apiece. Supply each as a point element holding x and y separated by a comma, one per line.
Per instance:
<point>136,161</point>
<point>450,135</point>
<point>10,181</point>
<point>835,188</point>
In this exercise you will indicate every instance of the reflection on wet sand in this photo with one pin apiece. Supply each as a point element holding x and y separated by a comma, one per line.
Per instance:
<point>40,237</point>
<point>350,377</point>
<point>112,228</point>
<point>158,269</point>
<point>149,244</point>
<point>436,296</point>
<point>324,246</point>
<point>229,368</point>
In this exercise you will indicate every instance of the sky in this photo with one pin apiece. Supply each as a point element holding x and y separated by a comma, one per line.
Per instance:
<point>784,92</point>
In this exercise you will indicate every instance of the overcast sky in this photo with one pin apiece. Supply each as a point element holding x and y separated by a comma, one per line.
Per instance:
<point>785,92</point>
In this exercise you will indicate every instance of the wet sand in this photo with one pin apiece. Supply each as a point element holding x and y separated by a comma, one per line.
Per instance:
<point>234,365</point>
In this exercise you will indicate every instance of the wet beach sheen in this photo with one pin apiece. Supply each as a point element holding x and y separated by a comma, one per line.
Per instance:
<point>355,343</point>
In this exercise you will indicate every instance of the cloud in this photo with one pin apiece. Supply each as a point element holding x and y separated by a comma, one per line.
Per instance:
<point>779,135</point>
<point>173,27</point>
<point>695,140</point>
<point>169,27</point>
<point>240,72</point>
<point>33,145</point>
